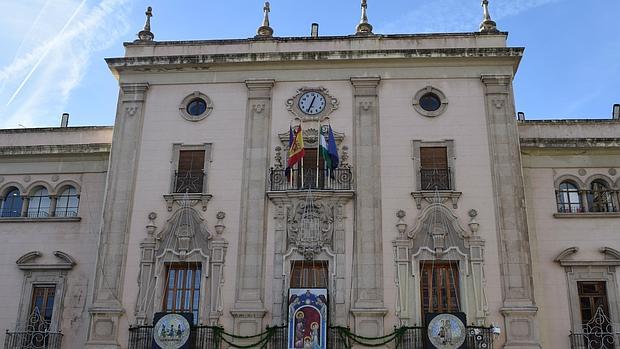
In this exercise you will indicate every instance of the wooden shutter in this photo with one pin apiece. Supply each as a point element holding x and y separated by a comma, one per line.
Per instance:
<point>434,157</point>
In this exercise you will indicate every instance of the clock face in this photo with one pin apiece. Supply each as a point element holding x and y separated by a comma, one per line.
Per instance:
<point>312,103</point>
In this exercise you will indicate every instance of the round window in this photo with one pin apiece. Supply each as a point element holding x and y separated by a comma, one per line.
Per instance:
<point>430,102</point>
<point>196,107</point>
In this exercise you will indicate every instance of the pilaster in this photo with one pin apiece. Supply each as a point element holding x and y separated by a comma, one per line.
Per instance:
<point>519,307</point>
<point>368,306</point>
<point>107,308</point>
<point>249,308</point>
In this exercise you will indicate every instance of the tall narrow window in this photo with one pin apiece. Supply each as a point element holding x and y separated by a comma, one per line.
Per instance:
<point>42,307</point>
<point>440,287</point>
<point>182,293</point>
<point>39,203</point>
<point>592,295</point>
<point>434,170</point>
<point>600,197</point>
<point>568,198</point>
<point>67,203</point>
<point>190,173</point>
<point>312,274</point>
<point>12,204</point>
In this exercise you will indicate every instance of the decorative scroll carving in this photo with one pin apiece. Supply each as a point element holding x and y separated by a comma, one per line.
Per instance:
<point>438,235</point>
<point>310,137</point>
<point>292,105</point>
<point>310,227</point>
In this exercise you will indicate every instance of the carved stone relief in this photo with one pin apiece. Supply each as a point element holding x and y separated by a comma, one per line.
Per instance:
<point>438,235</point>
<point>185,238</point>
<point>310,227</point>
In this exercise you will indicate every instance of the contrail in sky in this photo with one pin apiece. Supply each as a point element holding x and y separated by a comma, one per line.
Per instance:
<point>47,50</point>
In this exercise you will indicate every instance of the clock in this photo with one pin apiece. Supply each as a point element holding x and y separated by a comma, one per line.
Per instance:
<point>312,103</point>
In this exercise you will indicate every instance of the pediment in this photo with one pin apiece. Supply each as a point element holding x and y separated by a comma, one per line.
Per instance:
<point>35,260</point>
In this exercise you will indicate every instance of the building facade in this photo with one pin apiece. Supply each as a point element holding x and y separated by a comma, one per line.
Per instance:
<point>440,202</point>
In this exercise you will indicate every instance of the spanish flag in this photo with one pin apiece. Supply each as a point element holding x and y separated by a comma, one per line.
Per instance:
<point>295,147</point>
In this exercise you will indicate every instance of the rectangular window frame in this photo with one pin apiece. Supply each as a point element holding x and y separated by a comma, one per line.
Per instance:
<point>183,290</point>
<point>176,153</point>
<point>417,162</point>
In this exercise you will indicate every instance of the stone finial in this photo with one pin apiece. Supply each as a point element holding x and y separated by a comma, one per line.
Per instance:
<point>146,34</point>
<point>487,25</point>
<point>265,31</point>
<point>364,28</point>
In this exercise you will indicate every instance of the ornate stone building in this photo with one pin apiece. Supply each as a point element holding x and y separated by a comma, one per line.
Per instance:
<point>441,202</point>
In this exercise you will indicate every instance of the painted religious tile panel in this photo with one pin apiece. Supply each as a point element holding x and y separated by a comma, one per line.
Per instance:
<point>307,318</point>
<point>172,330</point>
<point>446,330</point>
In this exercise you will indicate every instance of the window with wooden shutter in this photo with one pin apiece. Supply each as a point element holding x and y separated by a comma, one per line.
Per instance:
<point>434,170</point>
<point>190,172</point>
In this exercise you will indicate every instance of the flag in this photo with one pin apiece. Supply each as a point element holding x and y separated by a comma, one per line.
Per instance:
<point>332,149</point>
<point>323,150</point>
<point>291,138</point>
<point>295,148</point>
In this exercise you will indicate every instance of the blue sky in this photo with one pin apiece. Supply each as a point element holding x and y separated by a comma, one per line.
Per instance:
<point>53,50</point>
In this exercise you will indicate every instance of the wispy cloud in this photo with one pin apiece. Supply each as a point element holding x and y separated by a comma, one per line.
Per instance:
<point>440,16</point>
<point>50,61</point>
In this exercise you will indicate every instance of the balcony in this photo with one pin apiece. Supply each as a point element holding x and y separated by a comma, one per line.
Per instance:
<point>33,340</point>
<point>595,340</point>
<point>435,179</point>
<point>587,203</point>
<point>297,180</point>
<point>141,337</point>
<point>189,181</point>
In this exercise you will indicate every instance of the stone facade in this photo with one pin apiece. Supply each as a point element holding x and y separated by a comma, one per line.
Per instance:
<point>373,223</point>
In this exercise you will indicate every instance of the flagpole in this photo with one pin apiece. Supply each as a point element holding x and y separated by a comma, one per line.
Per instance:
<point>300,166</point>
<point>318,150</point>
<point>290,145</point>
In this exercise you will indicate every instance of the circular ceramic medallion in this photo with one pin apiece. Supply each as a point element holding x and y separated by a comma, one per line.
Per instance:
<point>446,331</point>
<point>171,331</point>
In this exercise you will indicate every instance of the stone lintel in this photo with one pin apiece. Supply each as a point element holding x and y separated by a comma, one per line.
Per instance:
<point>283,197</point>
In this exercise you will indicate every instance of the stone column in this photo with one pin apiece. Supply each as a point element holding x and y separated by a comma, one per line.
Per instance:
<point>519,307</point>
<point>368,307</point>
<point>249,308</point>
<point>107,307</point>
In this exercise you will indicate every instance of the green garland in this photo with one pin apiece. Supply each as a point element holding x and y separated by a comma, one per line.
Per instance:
<point>345,332</point>
<point>262,343</point>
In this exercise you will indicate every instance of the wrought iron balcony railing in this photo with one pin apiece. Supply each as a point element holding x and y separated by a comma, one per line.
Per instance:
<point>595,340</point>
<point>189,181</point>
<point>33,340</point>
<point>435,179</point>
<point>579,201</point>
<point>338,179</point>
<point>141,337</point>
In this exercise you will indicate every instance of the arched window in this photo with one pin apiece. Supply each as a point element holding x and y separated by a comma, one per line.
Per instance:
<point>39,203</point>
<point>67,203</point>
<point>568,198</point>
<point>600,197</point>
<point>12,204</point>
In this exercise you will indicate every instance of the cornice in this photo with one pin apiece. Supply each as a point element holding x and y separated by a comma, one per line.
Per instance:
<point>65,149</point>
<point>154,62</point>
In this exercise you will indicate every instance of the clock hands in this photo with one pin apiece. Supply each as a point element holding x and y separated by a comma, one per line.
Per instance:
<point>311,103</point>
